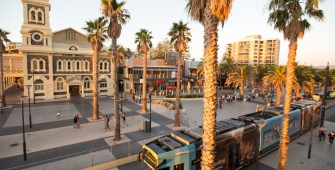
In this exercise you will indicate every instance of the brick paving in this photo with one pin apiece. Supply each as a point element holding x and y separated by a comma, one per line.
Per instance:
<point>54,142</point>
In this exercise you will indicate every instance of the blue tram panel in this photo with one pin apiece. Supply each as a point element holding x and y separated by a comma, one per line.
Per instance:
<point>239,141</point>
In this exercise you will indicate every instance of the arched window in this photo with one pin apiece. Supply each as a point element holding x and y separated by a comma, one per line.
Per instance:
<point>106,66</point>
<point>39,85</point>
<point>86,83</point>
<point>101,66</point>
<point>78,65</point>
<point>41,65</point>
<point>74,65</point>
<point>39,16</point>
<point>86,65</point>
<point>69,65</point>
<point>32,15</point>
<point>34,65</point>
<point>103,83</point>
<point>59,65</point>
<point>60,84</point>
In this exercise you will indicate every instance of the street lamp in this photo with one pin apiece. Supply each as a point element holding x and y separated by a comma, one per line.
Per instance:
<point>28,87</point>
<point>121,96</point>
<point>33,84</point>
<point>22,98</point>
<point>150,91</point>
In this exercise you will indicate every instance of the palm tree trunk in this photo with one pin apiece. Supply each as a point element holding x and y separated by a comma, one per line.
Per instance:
<point>95,84</point>
<point>176,115</point>
<point>242,90</point>
<point>285,139</point>
<point>144,98</point>
<point>117,130</point>
<point>278,91</point>
<point>297,92</point>
<point>210,88</point>
<point>2,91</point>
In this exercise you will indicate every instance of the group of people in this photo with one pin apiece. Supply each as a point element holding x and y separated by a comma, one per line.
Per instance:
<point>323,132</point>
<point>136,98</point>
<point>123,117</point>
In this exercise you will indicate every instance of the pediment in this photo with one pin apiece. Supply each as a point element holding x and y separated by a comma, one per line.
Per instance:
<point>74,81</point>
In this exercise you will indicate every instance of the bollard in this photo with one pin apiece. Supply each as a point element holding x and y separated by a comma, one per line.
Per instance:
<point>91,158</point>
<point>111,151</point>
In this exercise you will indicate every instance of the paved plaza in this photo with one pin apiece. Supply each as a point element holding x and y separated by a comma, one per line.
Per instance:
<point>53,143</point>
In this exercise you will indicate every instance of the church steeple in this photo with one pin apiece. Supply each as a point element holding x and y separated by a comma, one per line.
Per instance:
<point>36,29</point>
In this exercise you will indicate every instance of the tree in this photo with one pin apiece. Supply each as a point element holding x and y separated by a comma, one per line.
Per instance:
<point>228,65</point>
<point>209,13</point>
<point>276,77</point>
<point>289,17</point>
<point>239,78</point>
<point>3,38</point>
<point>117,17</point>
<point>161,49</point>
<point>304,78</point>
<point>143,38</point>
<point>96,34</point>
<point>180,36</point>
<point>259,73</point>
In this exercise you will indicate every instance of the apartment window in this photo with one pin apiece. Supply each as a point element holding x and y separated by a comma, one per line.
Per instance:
<point>86,83</point>
<point>39,87</point>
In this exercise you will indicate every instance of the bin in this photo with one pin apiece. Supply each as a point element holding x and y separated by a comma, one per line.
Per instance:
<point>146,125</point>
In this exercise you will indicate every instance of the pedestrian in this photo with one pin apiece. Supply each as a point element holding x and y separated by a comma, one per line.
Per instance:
<point>58,115</point>
<point>238,97</point>
<point>123,117</point>
<point>331,137</point>
<point>258,108</point>
<point>133,97</point>
<point>220,103</point>
<point>107,124</point>
<point>75,121</point>
<point>139,99</point>
<point>322,133</point>
<point>78,123</point>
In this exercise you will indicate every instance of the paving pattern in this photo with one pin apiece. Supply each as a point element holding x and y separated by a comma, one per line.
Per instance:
<point>54,144</point>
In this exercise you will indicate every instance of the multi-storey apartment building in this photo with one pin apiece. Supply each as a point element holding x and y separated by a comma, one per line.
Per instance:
<point>56,64</point>
<point>254,50</point>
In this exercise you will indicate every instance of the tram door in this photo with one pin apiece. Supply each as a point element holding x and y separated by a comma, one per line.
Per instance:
<point>233,155</point>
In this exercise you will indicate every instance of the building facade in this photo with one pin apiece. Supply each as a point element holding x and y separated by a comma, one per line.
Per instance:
<point>57,64</point>
<point>254,50</point>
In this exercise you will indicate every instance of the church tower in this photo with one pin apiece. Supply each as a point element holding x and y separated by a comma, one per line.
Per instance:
<point>35,30</point>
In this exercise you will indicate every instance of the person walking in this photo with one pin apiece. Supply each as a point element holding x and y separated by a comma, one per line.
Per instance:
<point>139,99</point>
<point>75,121</point>
<point>331,137</point>
<point>78,123</point>
<point>322,133</point>
<point>123,117</point>
<point>134,97</point>
<point>220,103</point>
<point>58,115</point>
<point>107,124</point>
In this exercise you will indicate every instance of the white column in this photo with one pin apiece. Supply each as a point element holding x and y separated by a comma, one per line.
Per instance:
<point>67,91</point>
<point>44,40</point>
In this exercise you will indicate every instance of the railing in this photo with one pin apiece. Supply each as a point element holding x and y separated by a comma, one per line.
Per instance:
<point>150,76</point>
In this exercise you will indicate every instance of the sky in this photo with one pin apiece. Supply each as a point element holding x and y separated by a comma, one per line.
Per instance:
<point>246,18</point>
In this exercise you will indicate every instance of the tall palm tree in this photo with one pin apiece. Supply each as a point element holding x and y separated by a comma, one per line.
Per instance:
<point>180,36</point>
<point>276,77</point>
<point>96,35</point>
<point>200,68</point>
<point>209,13</point>
<point>228,65</point>
<point>117,16</point>
<point>239,78</point>
<point>289,17</point>
<point>143,38</point>
<point>259,73</point>
<point>3,38</point>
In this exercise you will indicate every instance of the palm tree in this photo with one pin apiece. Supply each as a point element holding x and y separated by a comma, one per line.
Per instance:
<point>259,73</point>
<point>239,78</point>
<point>228,65</point>
<point>143,38</point>
<point>96,34</point>
<point>3,38</point>
<point>117,17</point>
<point>180,36</point>
<point>303,76</point>
<point>276,77</point>
<point>289,17</point>
<point>209,13</point>
<point>200,68</point>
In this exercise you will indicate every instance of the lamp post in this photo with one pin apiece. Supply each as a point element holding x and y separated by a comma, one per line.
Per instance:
<point>22,98</point>
<point>121,96</point>
<point>150,91</point>
<point>324,96</point>
<point>28,87</point>
<point>33,85</point>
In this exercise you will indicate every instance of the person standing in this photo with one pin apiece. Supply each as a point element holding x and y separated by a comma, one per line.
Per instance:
<point>78,123</point>
<point>107,124</point>
<point>123,117</point>
<point>139,99</point>
<point>322,133</point>
<point>220,103</point>
<point>258,108</point>
<point>58,115</point>
<point>331,137</point>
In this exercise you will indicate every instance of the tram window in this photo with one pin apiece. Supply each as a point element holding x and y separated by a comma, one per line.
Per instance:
<point>267,137</point>
<point>276,131</point>
<point>296,124</point>
<point>179,167</point>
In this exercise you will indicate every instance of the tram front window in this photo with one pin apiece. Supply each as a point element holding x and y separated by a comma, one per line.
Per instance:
<point>179,167</point>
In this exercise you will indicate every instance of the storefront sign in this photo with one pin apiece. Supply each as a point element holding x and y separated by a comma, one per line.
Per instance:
<point>160,81</point>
